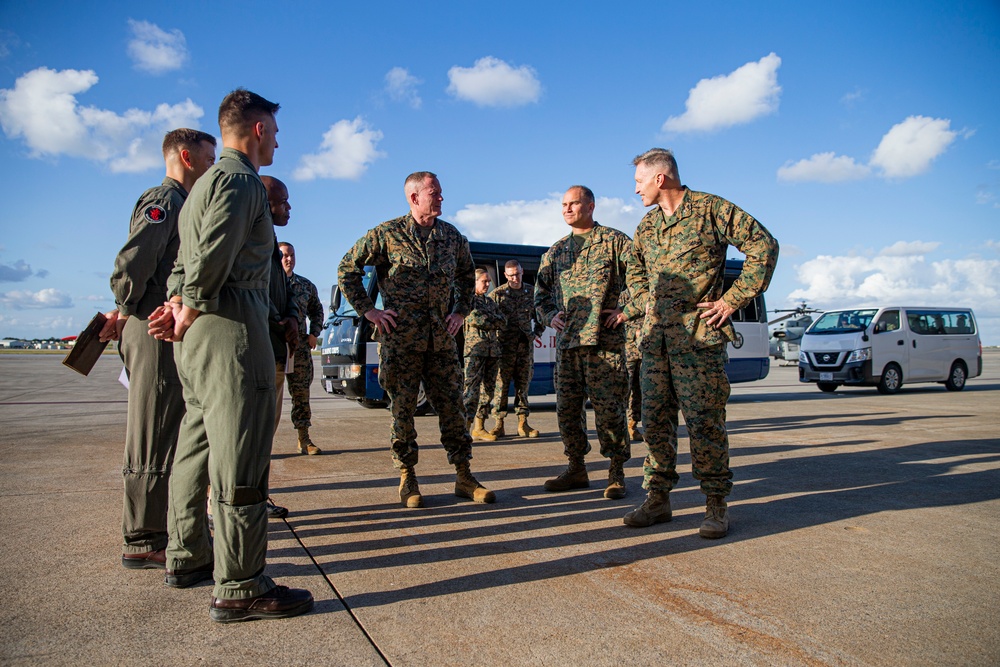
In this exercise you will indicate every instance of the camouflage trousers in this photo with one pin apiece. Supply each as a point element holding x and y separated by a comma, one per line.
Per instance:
<point>299,382</point>
<point>480,381</point>
<point>400,373</point>
<point>634,407</point>
<point>517,363</point>
<point>600,374</point>
<point>695,383</point>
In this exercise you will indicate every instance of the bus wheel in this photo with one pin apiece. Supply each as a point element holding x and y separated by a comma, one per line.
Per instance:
<point>892,379</point>
<point>828,387</point>
<point>956,378</point>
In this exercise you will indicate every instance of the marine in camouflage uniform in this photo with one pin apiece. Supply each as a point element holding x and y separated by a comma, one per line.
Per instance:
<point>676,278</point>
<point>579,284</point>
<point>306,297</point>
<point>482,355</point>
<point>633,360</point>
<point>155,399</point>
<point>517,361</point>
<point>421,262</point>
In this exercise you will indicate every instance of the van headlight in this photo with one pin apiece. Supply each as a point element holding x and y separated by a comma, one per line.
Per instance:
<point>803,359</point>
<point>864,354</point>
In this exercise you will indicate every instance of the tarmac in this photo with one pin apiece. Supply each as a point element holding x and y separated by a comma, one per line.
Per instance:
<point>864,532</point>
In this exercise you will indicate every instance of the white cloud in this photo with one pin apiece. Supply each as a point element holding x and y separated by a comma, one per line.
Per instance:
<point>46,298</point>
<point>402,87</point>
<point>43,111</point>
<point>909,248</point>
<point>824,168</point>
<point>540,221</point>
<point>493,83</point>
<point>155,50</point>
<point>348,147</point>
<point>850,99</point>
<point>908,148</point>
<point>730,99</point>
<point>906,279</point>
<point>16,272</point>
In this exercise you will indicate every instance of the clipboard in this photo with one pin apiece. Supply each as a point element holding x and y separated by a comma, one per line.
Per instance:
<point>88,347</point>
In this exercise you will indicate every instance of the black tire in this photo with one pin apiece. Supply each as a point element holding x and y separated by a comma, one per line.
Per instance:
<point>892,379</point>
<point>423,405</point>
<point>370,404</point>
<point>827,387</point>
<point>956,377</point>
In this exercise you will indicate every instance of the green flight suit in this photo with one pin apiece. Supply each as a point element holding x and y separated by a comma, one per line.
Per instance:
<point>155,398</point>
<point>679,262</point>
<point>226,365</point>
<point>417,278</point>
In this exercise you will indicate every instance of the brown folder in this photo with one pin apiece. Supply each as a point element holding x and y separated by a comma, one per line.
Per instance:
<point>88,347</point>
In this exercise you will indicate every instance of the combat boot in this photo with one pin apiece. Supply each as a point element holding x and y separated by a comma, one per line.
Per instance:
<point>523,429</point>
<point>574,477</point>
<point>656,509</point>
<point>716,523</point>
<point>306,445</point>
<point>634,432</point>
<point>479,431</point>
<point>498,431</point>
<point>409,492</point>
<point>616,479</point>
<point>467,486</point>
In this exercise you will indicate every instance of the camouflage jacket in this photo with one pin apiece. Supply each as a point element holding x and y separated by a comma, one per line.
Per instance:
<point>482,328</point>
<point>306,296</point>
<point>679,261</point>
<point>419,280</point>
<point>633,336</point>
<point>581,284</point>
<point>143,265</point>
<point>518,307</point>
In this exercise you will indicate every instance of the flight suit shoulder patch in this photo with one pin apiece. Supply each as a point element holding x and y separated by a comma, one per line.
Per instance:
<point>155,213</point>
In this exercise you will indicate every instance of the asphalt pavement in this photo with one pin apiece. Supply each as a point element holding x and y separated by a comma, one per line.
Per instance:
<point>864,532</point>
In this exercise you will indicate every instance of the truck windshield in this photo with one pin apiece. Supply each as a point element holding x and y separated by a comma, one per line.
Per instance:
<point>842,321</point>
<point>345,309</point>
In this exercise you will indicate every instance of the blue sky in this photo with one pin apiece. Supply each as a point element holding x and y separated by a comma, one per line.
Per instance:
<point>863,135</point>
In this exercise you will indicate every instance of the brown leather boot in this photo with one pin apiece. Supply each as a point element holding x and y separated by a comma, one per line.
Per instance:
<point>497,431</point>
<point>616,479</point>
<point>409,491</point>
<point>467,486</point>
<point>306,445</point>
<point>479,431</point>
<point>523,429</point>
<point>716,523</point>
<point>574,477</point>
<point>656,509</point>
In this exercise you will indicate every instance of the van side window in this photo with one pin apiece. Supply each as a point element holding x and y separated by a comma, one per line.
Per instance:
<point>888,322</point>
<point>939,322</point>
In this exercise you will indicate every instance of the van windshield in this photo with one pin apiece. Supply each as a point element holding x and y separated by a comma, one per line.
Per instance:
<point>842,321</point>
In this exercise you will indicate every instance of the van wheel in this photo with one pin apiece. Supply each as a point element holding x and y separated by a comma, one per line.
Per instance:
<point>956,378</point>
<point>828,387</point>
<point>892,380</point>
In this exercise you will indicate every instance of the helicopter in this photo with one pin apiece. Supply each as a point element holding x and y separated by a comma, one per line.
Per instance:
<point>784,343</point>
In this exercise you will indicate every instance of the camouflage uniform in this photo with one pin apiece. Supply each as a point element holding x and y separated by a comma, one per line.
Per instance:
<point>679,261</point>
<point>591,357</point>
<point>305,295</point>
<point>482,354</point>
<point>633,359</point>
<point>517,361</point>
<point>417,278</point>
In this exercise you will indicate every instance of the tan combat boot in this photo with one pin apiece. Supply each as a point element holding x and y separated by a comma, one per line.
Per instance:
<point>634,432</point>
<point>306,445</point>
<point>716,523</point>
<point>479,431</point>
<point>656,509</point>
<point>616,479</point>
<point>574,477</point>
<point>409,492</point>
<point>523,429</point>
<point>467,486</point>
<point>498,431</point>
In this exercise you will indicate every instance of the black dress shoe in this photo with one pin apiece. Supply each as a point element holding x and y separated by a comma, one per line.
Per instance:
<point>189,577</point>
<point>279,602</point>
<point>276,511</point>
<point>150,560</point>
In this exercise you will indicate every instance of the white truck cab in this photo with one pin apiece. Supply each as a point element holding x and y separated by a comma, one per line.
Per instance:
<point>884,347</point>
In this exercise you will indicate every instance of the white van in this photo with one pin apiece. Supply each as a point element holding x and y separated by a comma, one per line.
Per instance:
<point>885,347</point>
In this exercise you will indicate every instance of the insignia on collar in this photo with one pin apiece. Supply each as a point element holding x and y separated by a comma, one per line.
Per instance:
<point>155,213</point>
